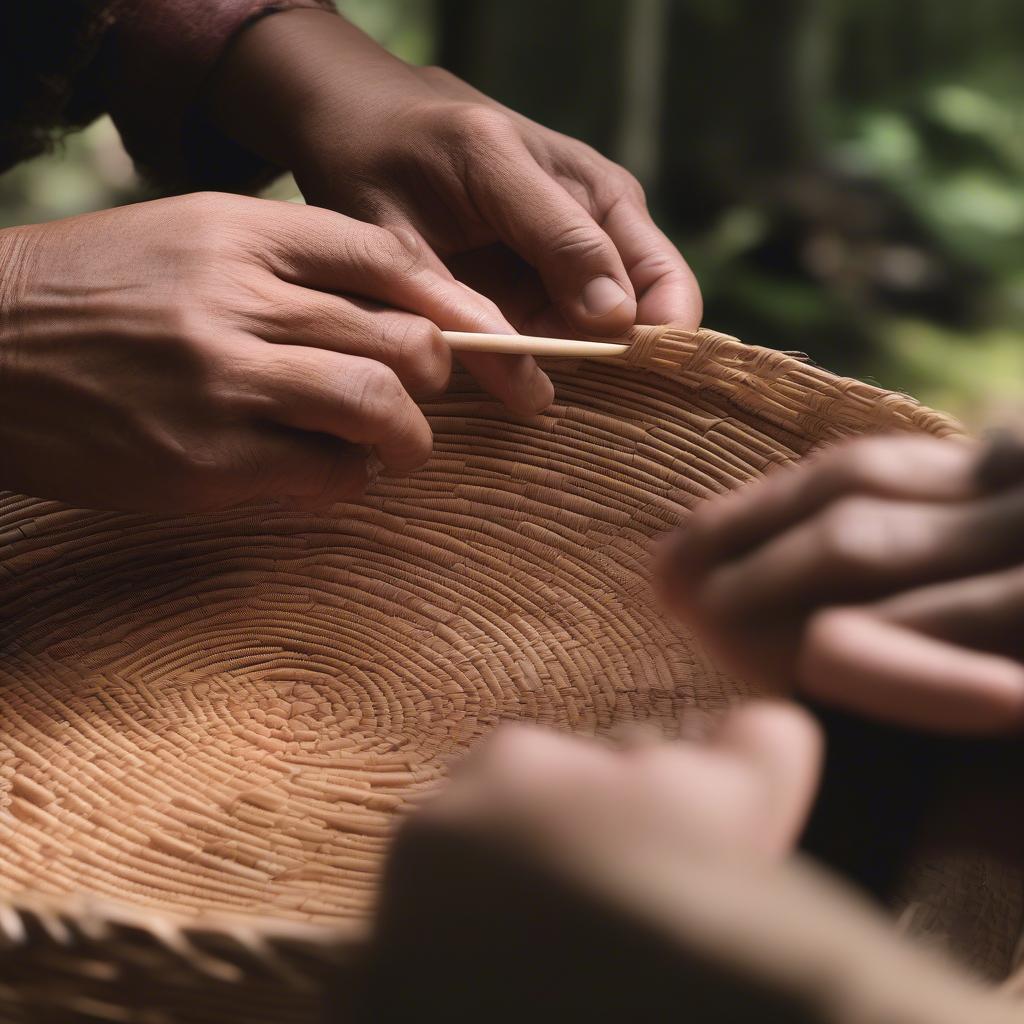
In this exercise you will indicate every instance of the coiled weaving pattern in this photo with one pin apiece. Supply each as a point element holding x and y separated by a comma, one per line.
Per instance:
<point>226,712</point>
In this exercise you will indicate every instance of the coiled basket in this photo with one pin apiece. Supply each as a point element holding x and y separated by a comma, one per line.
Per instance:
<point>209,724</point>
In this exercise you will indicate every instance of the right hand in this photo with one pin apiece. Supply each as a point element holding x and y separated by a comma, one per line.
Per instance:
<point>193,353</point>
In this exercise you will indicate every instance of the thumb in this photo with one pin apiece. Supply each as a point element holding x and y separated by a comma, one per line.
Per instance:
<point>577,261</point>
<point>784,745</point>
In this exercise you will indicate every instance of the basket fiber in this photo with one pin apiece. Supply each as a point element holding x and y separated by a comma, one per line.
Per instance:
<point>208,724</point>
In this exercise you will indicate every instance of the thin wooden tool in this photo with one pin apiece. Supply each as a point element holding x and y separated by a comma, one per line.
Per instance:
<point>525,344</point>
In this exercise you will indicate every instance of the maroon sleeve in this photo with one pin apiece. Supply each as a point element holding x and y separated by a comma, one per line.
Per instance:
<point>155,61</point>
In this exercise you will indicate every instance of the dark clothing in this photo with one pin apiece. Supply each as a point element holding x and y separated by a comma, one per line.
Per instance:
<point>65,62</point>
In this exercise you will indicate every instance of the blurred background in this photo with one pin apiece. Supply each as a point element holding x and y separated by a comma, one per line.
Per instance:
<point>845,176</point>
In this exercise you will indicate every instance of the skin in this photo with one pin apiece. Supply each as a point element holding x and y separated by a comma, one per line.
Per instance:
<point>885,576</point>
<point>558,235</point>
<point>743,791</point>
<point>546,849</point>
<point>559,878</point>
<point>195,353</point>
<point>226,349</point>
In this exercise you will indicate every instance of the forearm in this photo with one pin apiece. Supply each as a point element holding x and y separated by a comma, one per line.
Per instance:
<point>292,83</point>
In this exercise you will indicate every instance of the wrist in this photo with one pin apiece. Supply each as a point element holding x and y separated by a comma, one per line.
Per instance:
<point>294,80</point>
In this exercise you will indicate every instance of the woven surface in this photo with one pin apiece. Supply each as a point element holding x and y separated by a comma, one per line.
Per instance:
<point>224,713</point>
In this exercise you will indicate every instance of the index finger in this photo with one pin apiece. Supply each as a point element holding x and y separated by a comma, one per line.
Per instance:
<point>909,468</point>
<point>666,290</point>
<point>855,659</point>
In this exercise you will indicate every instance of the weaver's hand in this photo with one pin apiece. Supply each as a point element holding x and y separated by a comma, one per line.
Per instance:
<point>192,353</point>
<point>559,236</point>
<point>886,575</point>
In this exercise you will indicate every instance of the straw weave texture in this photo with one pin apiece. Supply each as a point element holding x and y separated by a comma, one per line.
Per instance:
<point>222,714</point>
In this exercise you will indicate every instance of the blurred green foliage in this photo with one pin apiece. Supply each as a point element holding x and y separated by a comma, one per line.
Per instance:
<point>846,176</point>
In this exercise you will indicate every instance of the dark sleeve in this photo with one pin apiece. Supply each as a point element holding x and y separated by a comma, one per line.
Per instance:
<point>48,51</point>
<point>65,62</point>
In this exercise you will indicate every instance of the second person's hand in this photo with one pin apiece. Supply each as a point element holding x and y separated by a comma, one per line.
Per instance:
<point>885,576</point>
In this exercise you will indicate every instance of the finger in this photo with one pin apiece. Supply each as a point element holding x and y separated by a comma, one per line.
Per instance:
<point>856,660</point>
<point>310,471</point>
<point>984,612</point>
<point>538,219</point>
<point>666,290</point>
<point>521,773</point>
<point>356,400</point>
<point>861,548</point>
<point>333,253</point>
<point>327,251</point>
<point>909,467</point>
<point>516,381</point>
<point>411,345</point>
<point>785,745</point>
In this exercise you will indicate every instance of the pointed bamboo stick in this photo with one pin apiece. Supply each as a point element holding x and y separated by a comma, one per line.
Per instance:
<point>525,344</point>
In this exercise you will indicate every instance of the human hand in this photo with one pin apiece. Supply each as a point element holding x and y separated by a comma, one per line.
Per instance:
<point>197,352</point>
<point>884,575</point>
<point>556,879</point>
<point>558,235</point>
<point>568,879</point>
<point>583,806</point>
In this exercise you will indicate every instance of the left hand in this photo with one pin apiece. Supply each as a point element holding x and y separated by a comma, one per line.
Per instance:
<point>556,234</point>
<point>885,575</point>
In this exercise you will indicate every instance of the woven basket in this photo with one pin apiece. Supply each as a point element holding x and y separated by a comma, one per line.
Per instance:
<point>209,723</point>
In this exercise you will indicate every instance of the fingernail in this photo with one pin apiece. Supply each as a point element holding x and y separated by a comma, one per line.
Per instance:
<point>602,295</point>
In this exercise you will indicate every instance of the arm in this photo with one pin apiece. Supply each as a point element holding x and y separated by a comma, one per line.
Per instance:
<point>555,233</point>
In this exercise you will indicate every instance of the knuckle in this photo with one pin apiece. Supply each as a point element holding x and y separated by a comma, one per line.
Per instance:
<point>409,253</point>
<point>422,359</point>
<point>855,533</point>
<point>629,188</point>
<point>577,243</point>
<point>376,393</point>
<point>474,123</point>
<point>377,251</point>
